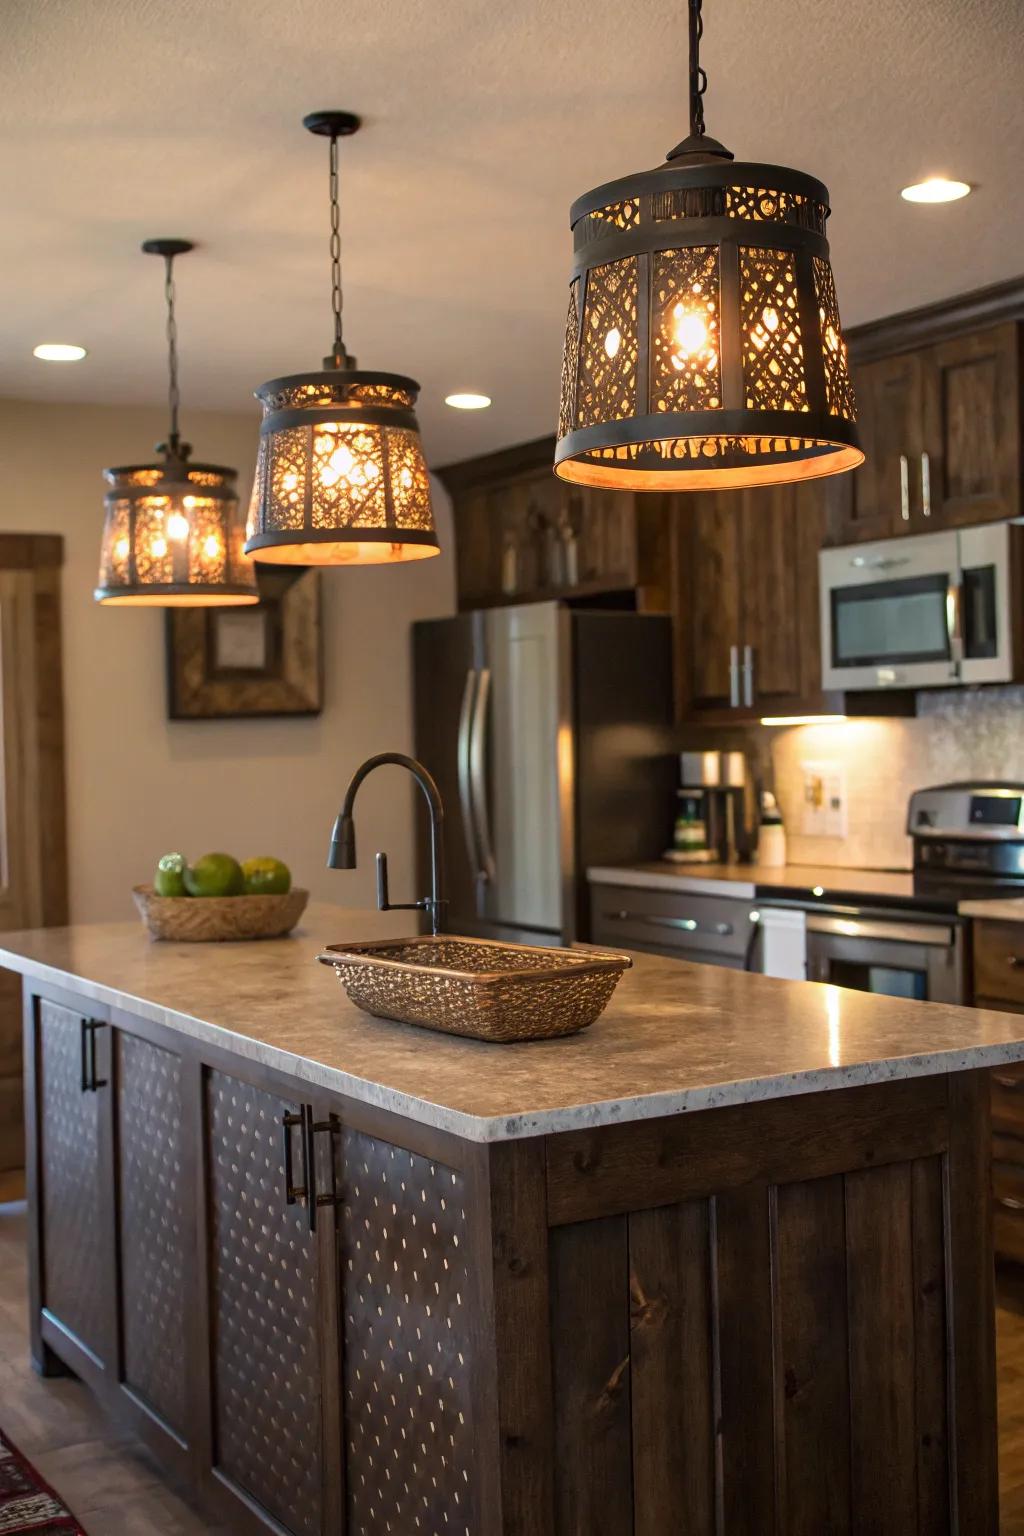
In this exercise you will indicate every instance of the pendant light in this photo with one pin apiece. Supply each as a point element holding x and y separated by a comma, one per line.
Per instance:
<point>341,478</point>
<point>703,348</point>
<point>173,532</point>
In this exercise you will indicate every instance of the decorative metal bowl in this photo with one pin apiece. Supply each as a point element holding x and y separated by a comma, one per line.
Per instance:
<point>476,987</point>
<point>217,919</point>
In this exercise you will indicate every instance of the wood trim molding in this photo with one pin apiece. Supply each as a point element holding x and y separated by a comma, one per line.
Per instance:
<point>913,328</point>
<point>29,551</point>
<point>506,464</point>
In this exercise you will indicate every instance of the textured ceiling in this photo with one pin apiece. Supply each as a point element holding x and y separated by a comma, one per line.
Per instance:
<point>123,119</point>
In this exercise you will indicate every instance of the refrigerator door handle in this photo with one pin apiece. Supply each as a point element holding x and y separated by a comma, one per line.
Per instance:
<point>478,778</point>
<point>465,776</point>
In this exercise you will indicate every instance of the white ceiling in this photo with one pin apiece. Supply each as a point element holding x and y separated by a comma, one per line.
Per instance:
<point>123,119</point>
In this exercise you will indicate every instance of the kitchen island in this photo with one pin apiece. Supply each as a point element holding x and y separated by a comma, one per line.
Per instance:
<point>721,1263</point>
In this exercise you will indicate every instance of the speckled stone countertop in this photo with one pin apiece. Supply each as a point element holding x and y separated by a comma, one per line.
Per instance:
<point>821,882</point>
<point>676,1037</point>
<point>1005,909</point>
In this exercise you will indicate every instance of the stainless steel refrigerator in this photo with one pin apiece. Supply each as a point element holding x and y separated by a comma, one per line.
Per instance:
<point>548,730</point>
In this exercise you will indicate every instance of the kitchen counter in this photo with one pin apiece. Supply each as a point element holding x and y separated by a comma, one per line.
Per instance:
<point>1006,909</point>
<point>675,1037</point>
<point>342,1274</point>
<point>810,882</point>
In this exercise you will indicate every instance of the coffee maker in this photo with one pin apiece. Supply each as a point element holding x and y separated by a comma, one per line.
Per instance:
<point>712,821</point>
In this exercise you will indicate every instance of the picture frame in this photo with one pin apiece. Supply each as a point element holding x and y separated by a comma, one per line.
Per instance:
<point>263,659</point>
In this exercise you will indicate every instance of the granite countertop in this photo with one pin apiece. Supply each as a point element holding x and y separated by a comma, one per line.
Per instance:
<point>1005,909</point>
<point>747,881</point>
<point>675,1036</point>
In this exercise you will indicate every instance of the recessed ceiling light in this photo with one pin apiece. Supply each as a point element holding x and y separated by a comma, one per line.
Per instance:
<point>468,402</point>
<point>58,352</point>
<point>937,189</point>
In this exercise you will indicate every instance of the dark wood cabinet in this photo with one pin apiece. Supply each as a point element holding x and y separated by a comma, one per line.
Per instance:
<point>998,951</point>
<point>70,1054</point>
<point>521,534</point>
<point>941,428</point>
<point>747,619</point>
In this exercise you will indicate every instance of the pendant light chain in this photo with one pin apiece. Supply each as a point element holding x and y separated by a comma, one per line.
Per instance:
<point>698,77</point>
<point>336,297</point>
<point>173,394</point>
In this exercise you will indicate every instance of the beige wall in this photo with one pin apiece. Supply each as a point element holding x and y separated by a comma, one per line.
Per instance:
<point>140,785</point>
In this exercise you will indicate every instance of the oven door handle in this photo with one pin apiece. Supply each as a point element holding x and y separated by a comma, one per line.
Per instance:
<point>937,935</point>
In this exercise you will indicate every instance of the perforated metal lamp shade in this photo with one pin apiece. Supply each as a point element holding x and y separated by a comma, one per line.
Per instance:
<point>341,478</point>
<point>703,347</point>
<point>172,537</point>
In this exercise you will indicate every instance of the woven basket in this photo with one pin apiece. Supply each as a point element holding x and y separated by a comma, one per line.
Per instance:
<point>213,919</point>
<point>475,987</point>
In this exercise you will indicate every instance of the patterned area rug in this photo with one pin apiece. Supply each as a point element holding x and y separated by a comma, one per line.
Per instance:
<point>27,1504</point>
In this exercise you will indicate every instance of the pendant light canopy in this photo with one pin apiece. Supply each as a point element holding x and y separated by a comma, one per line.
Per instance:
<point>173,533</point>
<point>341,478</point>
<point>703,348</point>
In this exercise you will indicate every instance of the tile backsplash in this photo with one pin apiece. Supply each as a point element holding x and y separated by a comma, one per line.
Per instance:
<point>957,734</point>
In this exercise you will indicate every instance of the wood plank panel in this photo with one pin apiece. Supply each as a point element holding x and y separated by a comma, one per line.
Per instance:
<point>518,1237</point>
<point>880,1280</point>
<point>931,1385</point>
<point>590,1352</point>
<point>971,1301</point>
<point>746,1440</point>
<point>672,1370</point>
<point>812,1371</point>
<point>617,1168</point>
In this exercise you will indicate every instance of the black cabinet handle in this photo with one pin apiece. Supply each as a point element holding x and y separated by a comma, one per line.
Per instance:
<point>294,1192</point>
<point>90,1082</point>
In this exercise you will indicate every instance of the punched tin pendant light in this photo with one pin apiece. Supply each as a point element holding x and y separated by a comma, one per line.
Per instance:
<point>173,532</point>
<point>341,478</point>
<point>703,348</point>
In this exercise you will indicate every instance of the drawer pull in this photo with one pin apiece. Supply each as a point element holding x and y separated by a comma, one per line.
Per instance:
<point>686,924</point>
<point>1013,961</point>
<point>1009,1203</point>
<point>295,1192</point>
<point>1013,1084</point>
<point>91,1083</point>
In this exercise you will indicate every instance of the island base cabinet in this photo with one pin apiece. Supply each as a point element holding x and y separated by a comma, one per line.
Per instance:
<point>773,1317</point>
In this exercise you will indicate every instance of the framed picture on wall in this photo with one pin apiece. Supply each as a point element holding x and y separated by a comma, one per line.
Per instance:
<point>263,659</point>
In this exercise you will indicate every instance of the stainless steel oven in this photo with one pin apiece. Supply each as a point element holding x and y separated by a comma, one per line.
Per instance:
<point>932,610</point>
<point>900,954</point>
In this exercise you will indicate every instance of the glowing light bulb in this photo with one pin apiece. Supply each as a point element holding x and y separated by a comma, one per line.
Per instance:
<point>121,549</point>
<point>158,548</point>
<point>211,547</point>
<point>188,501</point>
<point>770,318</point>
<point>177,524</point>
<point>289,482</point>
<point>613,341</point>
<point>689,331</point>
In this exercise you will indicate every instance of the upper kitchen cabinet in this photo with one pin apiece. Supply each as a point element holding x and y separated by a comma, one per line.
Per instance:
<point>522,535</point>
<point>939,403</point>
<point>746,610</point>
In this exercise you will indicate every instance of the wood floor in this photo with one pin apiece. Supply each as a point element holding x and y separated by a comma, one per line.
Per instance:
<point>114,1488</point>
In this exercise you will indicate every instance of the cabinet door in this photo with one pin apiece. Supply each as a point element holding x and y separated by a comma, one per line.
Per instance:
<point>266,1290</point>
<point>708,601</point>
<point>972,429</point>
<point>155,1237</point>
<point>75,1195</point>
<point>783,529</point>
<point>883,496</point>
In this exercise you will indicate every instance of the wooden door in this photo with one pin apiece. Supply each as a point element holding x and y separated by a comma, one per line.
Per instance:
<point>707,619</point>
<point>973,429</point>
<point>271,1302</point>
<point>74,1186</point>
<point>883,496</point>
<point>33,869</point>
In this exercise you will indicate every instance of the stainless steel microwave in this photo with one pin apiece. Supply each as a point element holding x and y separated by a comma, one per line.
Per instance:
<point>929,611</point>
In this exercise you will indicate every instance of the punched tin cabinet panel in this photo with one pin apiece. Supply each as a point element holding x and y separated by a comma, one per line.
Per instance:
<point>152,1226</point>
<point>74,1279</point>
<point>408,1416</point>
<point>263,1310</point>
